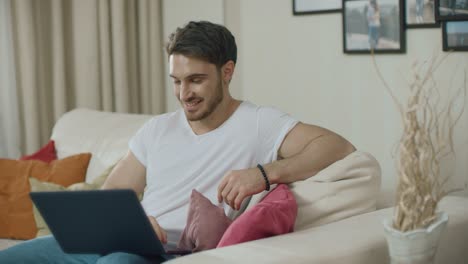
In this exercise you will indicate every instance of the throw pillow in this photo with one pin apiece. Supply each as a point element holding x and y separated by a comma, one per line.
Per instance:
<point>39,186</point>
<point>46,154</point>
<point>205,226</point>
<point>274,215</point>
<point>17,220</point>
<point>346,188</point>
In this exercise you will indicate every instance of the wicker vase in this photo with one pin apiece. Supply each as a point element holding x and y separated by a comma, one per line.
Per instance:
<point>416,246</point>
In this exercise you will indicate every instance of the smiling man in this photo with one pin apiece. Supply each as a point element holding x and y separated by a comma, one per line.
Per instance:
<point>225,148</point>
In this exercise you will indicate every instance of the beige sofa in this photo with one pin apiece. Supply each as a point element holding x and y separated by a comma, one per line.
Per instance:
<point>337,222</point>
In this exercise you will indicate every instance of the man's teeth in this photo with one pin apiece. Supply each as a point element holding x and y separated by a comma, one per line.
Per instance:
<point>193,103</point>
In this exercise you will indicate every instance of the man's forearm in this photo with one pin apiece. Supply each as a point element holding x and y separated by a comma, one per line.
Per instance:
<point>318,154</point>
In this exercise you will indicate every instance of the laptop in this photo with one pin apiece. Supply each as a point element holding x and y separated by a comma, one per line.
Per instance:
<point>100,222</point>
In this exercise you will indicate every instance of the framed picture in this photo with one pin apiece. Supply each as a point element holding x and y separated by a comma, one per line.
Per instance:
<point>420,14</point>
<point>455,36</point>
<point>451,9</point>
<point>304,7</point>
<point>373,25</point>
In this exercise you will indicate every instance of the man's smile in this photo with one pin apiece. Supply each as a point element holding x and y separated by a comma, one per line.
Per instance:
<point>192,105</point>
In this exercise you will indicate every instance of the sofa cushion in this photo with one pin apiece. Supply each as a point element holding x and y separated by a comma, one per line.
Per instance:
<point>16,219</point>
<point>6,243</point>
<point>46,154</point>
<point>40,186</point>
<point>274,215</point>
<point>104,134</point>
<point>345,188</point>
<point>206,224</point>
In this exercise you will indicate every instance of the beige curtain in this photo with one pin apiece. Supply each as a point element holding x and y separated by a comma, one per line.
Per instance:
<point>100,54</point>
<point>9,126</point>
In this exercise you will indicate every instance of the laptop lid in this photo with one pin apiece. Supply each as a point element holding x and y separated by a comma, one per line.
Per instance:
<point>99,221</point>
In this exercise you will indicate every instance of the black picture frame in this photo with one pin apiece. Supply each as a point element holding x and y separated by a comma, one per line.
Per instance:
<point>421,14</point>
<point>455,35</point>
<point>305,7</point>
<point>358,37</point>
<point>451,10</point>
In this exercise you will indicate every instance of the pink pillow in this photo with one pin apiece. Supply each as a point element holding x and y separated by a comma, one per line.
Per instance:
<point>206,224</point>
<point>46,153</point>
<point>274,215</point>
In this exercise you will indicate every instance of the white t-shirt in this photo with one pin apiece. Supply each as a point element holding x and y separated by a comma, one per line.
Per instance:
<point>177,160</point>
<point>373,16</point>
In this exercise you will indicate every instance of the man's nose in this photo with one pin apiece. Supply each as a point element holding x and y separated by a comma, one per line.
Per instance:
<point>185,91</point>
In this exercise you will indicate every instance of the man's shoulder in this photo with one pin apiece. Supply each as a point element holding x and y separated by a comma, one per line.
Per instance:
<point>261,111</point>
<point>251,107</point>
<point>267,110</point>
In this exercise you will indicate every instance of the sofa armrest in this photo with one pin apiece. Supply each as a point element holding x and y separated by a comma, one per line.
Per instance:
<point>359,239</point>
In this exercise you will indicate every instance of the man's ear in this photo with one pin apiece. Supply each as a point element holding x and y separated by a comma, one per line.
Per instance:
<point>227,71</point>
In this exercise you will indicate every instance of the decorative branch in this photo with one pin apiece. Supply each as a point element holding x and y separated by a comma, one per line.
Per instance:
<point>428,127</point>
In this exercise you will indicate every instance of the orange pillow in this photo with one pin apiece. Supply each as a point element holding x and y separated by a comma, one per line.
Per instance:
<point>16,213</point>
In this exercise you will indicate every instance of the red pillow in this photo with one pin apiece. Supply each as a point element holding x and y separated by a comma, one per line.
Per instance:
<point>205,226</point>
<point>46,154</point>
<point>274,215</point>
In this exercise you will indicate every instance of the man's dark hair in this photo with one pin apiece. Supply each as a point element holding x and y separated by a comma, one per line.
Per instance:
<point>204,40</point>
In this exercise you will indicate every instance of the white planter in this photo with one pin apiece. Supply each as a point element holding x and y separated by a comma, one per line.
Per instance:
<point>417,246</point>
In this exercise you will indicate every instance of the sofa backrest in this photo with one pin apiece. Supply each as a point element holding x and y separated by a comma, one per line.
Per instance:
<point>104,134</point>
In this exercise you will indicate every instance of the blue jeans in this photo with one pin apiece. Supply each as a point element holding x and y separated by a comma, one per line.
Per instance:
<point>47,250</point>
<point>373,36</point>
<point>419,7</point>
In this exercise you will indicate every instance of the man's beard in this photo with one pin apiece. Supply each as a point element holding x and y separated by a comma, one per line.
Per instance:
<point>212,105</point>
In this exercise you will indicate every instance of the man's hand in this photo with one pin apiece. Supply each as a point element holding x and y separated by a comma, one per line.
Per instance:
<point>159,231</point>
<point>239,184</point>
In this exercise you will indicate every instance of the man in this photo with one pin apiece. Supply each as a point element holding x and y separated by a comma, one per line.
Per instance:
<point>225,148</point>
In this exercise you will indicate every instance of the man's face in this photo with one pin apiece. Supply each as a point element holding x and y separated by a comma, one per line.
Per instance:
<point>197,86</point>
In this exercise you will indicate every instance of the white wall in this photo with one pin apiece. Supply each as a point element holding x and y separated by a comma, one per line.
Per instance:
<point>297,64</point>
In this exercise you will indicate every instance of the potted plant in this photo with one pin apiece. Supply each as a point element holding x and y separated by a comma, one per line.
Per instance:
<point>428,126</point>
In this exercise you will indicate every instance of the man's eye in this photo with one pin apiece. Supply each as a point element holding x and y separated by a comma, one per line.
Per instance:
<point>176,82</point>
<point>197,80</point>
